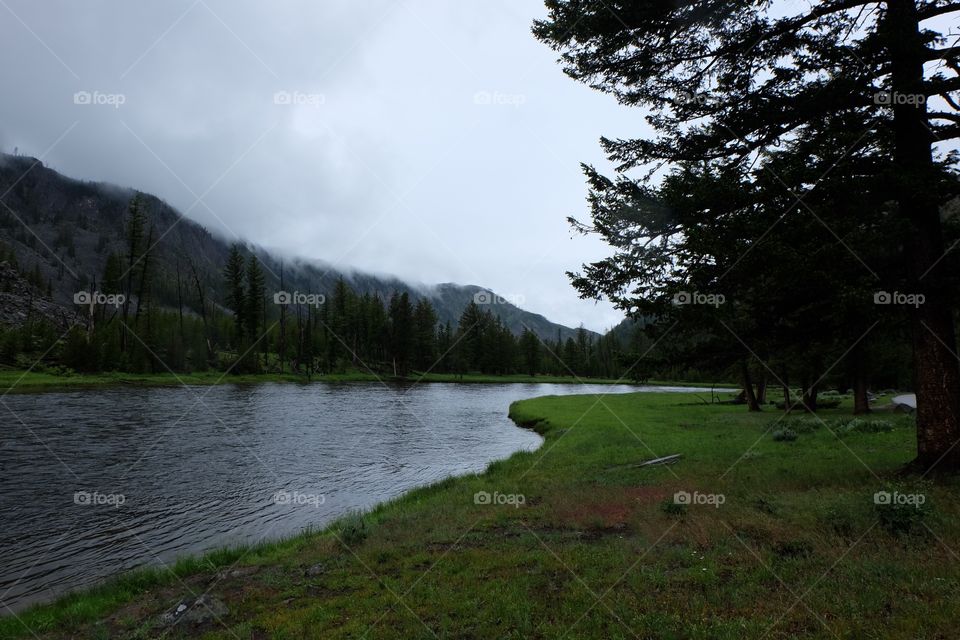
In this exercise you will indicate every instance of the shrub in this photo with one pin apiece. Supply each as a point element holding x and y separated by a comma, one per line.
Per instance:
<point>841,521</point>
<point>766,505</point>
<point>797,424</point>
<point>833,394</point>
<point>861,425</point>
<point>353,528</point>
<point>784,435</point>
<point>793,549</point>
<point>803,425</point>
<point>900,519</point>
<point>902,510</point>
<point>670,507</point>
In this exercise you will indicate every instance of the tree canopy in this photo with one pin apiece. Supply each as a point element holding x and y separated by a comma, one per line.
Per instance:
<point>796,170</point>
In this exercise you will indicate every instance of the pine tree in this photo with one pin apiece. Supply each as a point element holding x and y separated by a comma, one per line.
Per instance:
<point>724,83</point>
<point>445,348</point>
<point>112,275</point>
<point>234,276</point>
<point>342,323</point>
<point>135,224</point>
<point>254,318</point>
<point>425,341</point>
<point>377,330</point>
<point>401,332</point>
<point>282,337</point>
<point>530,350</point>
<point>470,337</point>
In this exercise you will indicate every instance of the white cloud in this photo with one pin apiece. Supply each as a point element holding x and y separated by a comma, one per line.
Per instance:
<point>396,158</point>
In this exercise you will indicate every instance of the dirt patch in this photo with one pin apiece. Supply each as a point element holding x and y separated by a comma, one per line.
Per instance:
<point>648,494</point>
<point>609,509</point>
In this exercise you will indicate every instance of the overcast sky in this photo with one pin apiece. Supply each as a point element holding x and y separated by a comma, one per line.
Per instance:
<point>428,139</point>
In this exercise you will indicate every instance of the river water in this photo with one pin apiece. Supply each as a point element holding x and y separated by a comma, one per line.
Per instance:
<point>96,482</point>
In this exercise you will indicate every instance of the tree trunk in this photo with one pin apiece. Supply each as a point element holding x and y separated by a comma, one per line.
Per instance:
<point>299,355</point>
<point>748,393</point>
<point>180,304</point>
<point>282,345</point>
<point>150,352</point>
<point>264,338</point>
<point>937,383</point>
<point>92,313</point>
<point>762,390</point>
<point>809,399</point>
<point>203,311</point>
<point>936,370</point>
<point>861,403</point>
<point>144,275</point>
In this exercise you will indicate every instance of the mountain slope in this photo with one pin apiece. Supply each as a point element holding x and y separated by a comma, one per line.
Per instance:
<point>62,230</point>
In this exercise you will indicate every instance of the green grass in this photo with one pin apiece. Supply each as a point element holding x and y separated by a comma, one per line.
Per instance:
<point>21,381</point>
<point>14,381</point>
<point>546,379</point>
<point>788,543</point>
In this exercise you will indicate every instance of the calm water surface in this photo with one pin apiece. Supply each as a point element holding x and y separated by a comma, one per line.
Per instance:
<point>96,482</point>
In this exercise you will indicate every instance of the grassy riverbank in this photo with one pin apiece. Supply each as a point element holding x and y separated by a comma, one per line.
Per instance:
<point>14,381</point>
<point>787,542</point>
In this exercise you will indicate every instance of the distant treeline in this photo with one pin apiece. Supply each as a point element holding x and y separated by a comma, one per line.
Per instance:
<point>126,322</point>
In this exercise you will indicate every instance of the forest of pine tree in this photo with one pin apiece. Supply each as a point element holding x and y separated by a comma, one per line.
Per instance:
<point>247,331</point>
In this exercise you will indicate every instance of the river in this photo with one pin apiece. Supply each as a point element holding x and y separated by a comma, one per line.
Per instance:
<point>96,482</point>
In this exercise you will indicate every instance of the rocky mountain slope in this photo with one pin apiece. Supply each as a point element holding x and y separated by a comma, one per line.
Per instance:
<point>62,231</point>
